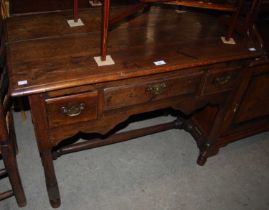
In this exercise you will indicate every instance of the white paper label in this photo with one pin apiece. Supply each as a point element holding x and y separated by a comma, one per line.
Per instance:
<point>252,49</point>
<point>159,63</point>
<point>22,82</point>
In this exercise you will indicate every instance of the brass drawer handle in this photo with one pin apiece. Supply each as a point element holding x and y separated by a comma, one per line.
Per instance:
<point>73,110</point>
<point>157,89</point>
<point>222,80</point>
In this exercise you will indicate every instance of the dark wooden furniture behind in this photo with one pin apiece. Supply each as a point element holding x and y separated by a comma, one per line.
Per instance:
<point>53,65</point>
<point>8,146</point>
<point>249,108</point>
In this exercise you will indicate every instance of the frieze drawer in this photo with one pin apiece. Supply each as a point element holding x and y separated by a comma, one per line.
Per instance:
<point>72,109</point>
<point>221,80</point>
<point>149,91</point>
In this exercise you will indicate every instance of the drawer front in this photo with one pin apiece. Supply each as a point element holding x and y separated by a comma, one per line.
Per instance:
<point>72,109</point>
<point>139,93</point>
<point>221,80</point>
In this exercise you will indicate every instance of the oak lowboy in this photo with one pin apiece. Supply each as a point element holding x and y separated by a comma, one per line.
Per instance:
<point>68,94</point>
<point>100,107</point>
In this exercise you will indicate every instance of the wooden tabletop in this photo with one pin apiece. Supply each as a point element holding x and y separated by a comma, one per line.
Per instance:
<point>45,54</point>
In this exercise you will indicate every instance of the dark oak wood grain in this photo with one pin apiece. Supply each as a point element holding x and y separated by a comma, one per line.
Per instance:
<point>69,56</point>
<point>70,95</point>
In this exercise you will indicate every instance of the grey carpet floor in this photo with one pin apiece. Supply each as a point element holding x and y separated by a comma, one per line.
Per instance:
<point>157,172</point>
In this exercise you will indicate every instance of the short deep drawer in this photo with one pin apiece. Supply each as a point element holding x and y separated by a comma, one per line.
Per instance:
<point>221,80</point>
<point>72,108</point>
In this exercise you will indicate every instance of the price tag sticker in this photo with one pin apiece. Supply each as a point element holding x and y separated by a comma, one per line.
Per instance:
<point>22,82</point>
<point>159,63</point>
<point>252,49</point>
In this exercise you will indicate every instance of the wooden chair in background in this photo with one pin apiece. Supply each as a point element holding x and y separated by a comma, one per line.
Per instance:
<point>8,146</point>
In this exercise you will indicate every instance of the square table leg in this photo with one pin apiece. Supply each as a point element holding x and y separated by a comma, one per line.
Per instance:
<point>39,117</point>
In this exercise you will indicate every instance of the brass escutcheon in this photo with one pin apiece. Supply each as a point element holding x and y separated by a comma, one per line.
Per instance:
<point>157,89</point>
<point>222,80</point>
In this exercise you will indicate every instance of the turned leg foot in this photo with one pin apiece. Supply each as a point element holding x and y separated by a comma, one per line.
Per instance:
<point>201,160</point>
<point>205,153</point>
<point>55,203</point>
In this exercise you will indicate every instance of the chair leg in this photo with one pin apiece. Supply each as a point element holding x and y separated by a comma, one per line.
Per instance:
<point>105,27</point>
<point>10,162</point>
<point>12,134</point>
<point>234,20</point>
